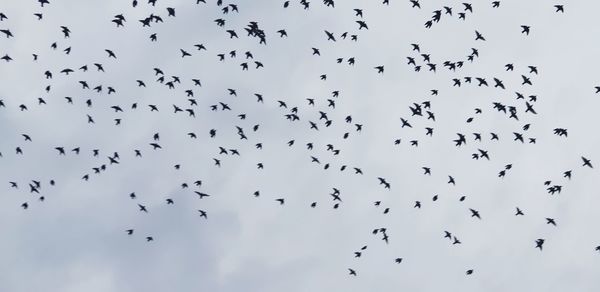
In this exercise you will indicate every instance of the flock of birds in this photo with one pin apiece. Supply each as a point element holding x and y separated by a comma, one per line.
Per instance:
<point>420,115</point>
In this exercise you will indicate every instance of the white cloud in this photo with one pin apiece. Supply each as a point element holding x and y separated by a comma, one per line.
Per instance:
<point>76,240</point>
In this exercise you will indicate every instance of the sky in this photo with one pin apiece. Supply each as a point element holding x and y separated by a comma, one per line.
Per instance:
<point>75,239</point>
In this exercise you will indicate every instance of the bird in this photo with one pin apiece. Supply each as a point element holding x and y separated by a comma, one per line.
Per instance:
<point>7,33</point>
<point>142,208</point>
<point>587,162</point>
<point>550,221</point>
<point>358,12</point>
<point>533,69</point>
<point>330,36</point>
<point>203,214</point>
<point>519,212</point>
<point>479,36</point>
<point>184,53</point>
<point>539,243</point>
<point>171,11</point>
<point>362,24</point>
<point>559,8</point>
<point>475,213</point>
<point>455,241</point>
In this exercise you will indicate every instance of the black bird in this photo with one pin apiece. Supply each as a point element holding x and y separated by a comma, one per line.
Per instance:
<point>560,132</point>
<point>171,11</point>
<point>498,83</point>
<point>110,53</point>
<point>383,182</point>
<point>533,69</point>
<point>519,212</point>
<point>142,208</point>
<point>479,36</point>
<point>468,7</point>
<point>456,241</point>
<point>405,123</point>
<point>330,36</point>
<point>359,12</point>
<point>203,214</point>
<point>451,180</point>
<point>530,108</point>
<point>587,162</point>
<point>526,80</point>
<point>448,235</point>
<point>475,213</point>
<point>362,24</point>
<point>539,243</point>
<point>7,33</point>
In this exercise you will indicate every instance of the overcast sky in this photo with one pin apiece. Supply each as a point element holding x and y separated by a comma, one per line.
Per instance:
<point>75,239</point>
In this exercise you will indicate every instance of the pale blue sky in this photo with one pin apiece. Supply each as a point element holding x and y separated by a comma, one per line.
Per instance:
<point>75,240</point>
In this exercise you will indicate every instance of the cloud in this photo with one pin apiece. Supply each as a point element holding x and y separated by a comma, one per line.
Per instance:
<point>75,240</point>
